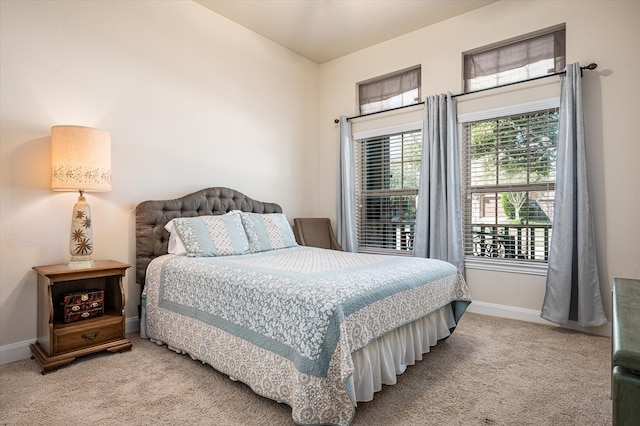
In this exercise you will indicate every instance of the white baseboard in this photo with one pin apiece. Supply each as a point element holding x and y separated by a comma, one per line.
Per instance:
<point>133,325</point>
<point>15,351</point>
<point>20,350</point>
<point>531,315</point>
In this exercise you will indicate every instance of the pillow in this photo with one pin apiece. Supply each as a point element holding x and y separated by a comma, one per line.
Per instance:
<point>207,236</point>
<point>267,231</point>
<point>175,245</point>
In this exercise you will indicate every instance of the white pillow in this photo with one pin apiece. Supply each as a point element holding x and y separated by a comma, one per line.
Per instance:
<point>175,243</point>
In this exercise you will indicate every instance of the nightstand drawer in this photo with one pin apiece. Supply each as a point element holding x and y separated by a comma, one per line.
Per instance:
<point>84,334</point>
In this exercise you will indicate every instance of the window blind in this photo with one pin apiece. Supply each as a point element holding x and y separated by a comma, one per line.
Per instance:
<point>509,176</point>
<point>387,179</point>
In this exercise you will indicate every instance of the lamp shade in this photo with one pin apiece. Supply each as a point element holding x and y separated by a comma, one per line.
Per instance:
<point>80,159</point>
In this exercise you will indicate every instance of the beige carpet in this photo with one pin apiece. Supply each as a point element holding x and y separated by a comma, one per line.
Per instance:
<point>490,372</point>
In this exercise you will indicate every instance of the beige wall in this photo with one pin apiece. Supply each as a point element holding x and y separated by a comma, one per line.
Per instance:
<point>605,32</point>
<point>192,100</point>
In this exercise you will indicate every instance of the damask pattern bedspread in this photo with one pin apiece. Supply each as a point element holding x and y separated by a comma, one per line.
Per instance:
<point>286,321</point>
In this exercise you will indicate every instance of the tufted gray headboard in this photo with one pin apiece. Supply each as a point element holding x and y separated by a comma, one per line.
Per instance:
<point>152,240</point>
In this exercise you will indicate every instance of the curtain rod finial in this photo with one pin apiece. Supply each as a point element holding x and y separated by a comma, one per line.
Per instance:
<point>336,121</point>
<point>591,66</point>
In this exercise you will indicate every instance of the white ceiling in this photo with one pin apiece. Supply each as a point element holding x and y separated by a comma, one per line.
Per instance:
<point>322,30</point>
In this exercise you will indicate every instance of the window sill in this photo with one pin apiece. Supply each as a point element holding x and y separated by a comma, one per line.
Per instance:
<point>501,265</point>
<point>405,253</point>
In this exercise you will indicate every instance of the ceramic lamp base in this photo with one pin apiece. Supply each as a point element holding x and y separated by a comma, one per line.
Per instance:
<point>81,240</point>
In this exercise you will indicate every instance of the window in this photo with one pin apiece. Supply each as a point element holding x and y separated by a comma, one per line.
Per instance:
<point>515,60</point>
<point>387,179</point>
<point>389,92</point>
<point>509,169</point>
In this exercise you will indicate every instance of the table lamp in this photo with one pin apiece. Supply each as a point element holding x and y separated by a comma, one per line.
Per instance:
<point>80,161</point>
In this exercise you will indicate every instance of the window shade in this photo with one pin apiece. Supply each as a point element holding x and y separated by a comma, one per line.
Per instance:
<point>509,173</point>
<point>387,179</point>
<point>515,61</point>
<point>390,92</point>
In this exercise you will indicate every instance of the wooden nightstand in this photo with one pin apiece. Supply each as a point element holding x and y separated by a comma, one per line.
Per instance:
<point>59,343</point>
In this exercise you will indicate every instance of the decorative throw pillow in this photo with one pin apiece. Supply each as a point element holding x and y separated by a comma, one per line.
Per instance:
<point>207,236</point>
<point>267,231</point>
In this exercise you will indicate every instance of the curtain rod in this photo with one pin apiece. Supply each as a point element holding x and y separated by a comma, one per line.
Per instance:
<point>591,66</point>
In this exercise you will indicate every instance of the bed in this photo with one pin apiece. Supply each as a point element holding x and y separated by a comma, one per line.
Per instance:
<point>316,329</point>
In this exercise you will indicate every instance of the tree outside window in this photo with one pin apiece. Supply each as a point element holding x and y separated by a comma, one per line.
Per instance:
<point>510,168</point>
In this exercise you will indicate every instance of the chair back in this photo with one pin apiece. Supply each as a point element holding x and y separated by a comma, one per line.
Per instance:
<point>315,232</point>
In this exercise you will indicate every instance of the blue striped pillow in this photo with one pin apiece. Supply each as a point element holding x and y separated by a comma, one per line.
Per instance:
<point>208,236</point>
<point>267,231</point>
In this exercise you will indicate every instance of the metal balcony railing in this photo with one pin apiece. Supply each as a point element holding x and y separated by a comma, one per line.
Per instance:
<point>510,241</point>
<point>385,237</point>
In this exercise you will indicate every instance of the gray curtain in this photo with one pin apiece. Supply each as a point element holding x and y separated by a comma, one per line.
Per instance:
<point>438,232</point>
<point>572,289</point>
<point>346,190</point>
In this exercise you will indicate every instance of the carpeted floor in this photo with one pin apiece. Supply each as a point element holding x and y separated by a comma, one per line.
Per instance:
<point>491,371</point>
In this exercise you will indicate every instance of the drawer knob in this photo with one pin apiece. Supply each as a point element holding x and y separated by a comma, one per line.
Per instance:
<point>90,336</point>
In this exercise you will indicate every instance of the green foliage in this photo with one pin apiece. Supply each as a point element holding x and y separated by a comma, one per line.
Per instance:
<point>518,148</point>
<point>530,211</point>
<point>507,207</point>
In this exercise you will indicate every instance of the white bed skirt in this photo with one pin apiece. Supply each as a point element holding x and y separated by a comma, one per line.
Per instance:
<point>381,361</point>
<point>388,356</point>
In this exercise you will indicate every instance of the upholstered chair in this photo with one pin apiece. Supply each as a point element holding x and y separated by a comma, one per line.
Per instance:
<point>315,232</point>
